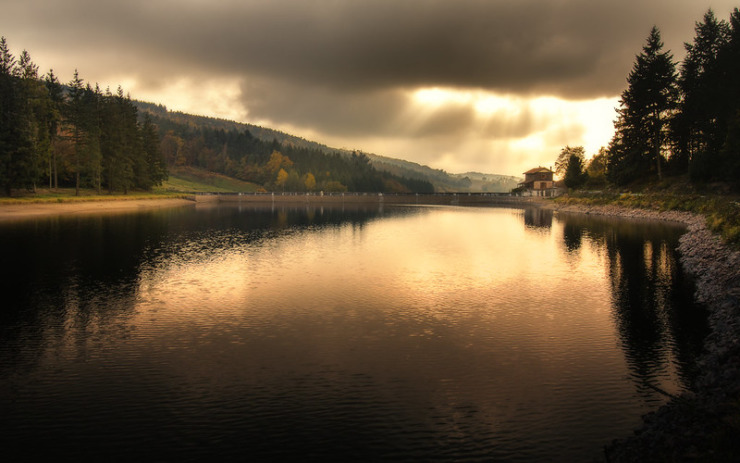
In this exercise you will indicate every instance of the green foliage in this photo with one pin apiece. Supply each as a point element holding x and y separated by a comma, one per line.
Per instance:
<point>563,161</point>
<point>18,126</point>
<point>277,166</point>
<point>641,139</point>
<point>571,166</point>
<point>688,123</point>
<point>82,138</point>
<point>697,135</point>
<point>596,169</point>
<point>574,174</point>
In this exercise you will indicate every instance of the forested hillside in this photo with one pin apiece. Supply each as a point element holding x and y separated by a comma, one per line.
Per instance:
<point>444,181</point>
<point>440,180</point>
<point>231,149</point>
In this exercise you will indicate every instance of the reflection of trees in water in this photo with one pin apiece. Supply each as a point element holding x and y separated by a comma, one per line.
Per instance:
<point>70,276</point>
<point>64,278</point>
<point>653,300</point>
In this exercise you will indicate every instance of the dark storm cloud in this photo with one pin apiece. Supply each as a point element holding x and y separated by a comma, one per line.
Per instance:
<point>347,69</point>
<point>348,114</point>
<point>381,112</point>
<point>569,48</point>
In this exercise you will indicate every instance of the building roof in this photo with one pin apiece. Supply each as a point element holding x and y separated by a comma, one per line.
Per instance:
<point>537,170</point>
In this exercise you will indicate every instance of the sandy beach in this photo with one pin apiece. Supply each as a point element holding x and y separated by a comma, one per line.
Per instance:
<point>30,210</point>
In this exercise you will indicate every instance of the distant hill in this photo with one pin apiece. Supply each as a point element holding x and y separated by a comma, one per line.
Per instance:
<point>442,181</point>
<point>446,182</point>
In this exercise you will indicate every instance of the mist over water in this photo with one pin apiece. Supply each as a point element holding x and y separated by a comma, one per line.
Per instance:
<point>399,333</point>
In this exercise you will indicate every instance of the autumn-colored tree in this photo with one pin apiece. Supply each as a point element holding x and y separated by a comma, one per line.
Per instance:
<point>278,161</point>
<point>334,186</point>
<point>282,177</point>
<point>394,186</point>
<point>171,147</point>
<point>309,181</point>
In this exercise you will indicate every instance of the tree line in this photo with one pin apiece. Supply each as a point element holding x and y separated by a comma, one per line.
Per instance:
<point>274,165</point>
<point>76,135</point>
<point>71,135</point>
<point>673,118</point>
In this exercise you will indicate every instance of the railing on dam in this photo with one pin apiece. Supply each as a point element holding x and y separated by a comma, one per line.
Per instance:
<point>384,198</point>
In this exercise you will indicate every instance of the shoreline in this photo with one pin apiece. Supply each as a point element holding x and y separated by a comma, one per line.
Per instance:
<point>700,425</point>
<point>22,211</point>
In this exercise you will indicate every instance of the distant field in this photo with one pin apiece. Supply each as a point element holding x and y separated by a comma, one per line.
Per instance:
<point>192,180</point>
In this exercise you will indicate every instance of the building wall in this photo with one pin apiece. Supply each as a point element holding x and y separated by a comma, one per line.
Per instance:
<point>538,176</point>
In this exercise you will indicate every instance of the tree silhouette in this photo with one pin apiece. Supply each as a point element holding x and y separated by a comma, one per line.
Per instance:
<point>641,138</point>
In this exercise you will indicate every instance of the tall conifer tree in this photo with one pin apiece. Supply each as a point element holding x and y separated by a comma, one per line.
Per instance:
<point>53,119</point>
<point>645,109</point>
<point>729,64</point>
<point>7,111</point>
<point>75,109</point>
<point>697,134</point>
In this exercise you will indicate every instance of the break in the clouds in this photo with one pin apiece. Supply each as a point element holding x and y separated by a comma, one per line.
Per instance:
<point>463,85</point>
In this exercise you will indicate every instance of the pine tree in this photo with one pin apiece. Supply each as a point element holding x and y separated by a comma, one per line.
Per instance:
<point>729,114</point>
<point>645,109</point>
<point>75,113</point>
<point>698,137</point>
<point>31,101</point>
<point>91,121</point>
<point>156,165</point>
<point>18,135</point>
<point>53,120</point>
<point>7,110</point>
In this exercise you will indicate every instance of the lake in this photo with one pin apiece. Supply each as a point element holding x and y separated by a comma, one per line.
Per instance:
<point>357,334</point>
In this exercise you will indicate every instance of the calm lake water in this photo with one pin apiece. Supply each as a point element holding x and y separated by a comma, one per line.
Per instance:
<point>364,334</point>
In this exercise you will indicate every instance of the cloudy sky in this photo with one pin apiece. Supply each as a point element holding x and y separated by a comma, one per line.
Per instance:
<point>495,86</point>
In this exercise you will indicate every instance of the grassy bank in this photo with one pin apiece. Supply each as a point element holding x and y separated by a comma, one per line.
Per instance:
<point>182,183</point>
<point>721,211</point>
<point>191,179</point>
<point>67,195</point>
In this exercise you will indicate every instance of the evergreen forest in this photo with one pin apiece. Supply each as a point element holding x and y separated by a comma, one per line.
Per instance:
<point>232,150</point>
<point>75,135</point>
<point>674,119</point>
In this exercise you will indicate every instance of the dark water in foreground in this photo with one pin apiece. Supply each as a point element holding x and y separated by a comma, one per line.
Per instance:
<point>396,334</point>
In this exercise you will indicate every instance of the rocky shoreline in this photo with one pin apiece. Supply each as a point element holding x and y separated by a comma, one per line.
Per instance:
<point>703,425</point>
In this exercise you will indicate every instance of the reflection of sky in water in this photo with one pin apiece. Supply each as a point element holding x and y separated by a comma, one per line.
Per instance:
<point>489,331</point>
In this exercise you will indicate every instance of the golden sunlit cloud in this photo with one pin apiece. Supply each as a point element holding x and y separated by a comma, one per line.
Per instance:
<point>219,97</point>
<point>534,128</point>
